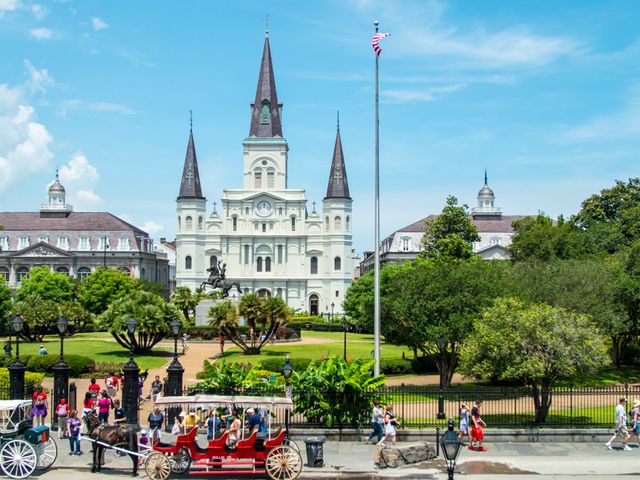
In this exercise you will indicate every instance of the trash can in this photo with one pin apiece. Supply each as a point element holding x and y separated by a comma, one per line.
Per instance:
<point>315,452</point>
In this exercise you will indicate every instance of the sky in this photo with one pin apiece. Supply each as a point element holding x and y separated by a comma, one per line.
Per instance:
<point>545,95</point>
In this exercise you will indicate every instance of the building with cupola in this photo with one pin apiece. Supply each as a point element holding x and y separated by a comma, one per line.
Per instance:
<point>494,228</point>
<point>265,233</point>
<point>75,243</point>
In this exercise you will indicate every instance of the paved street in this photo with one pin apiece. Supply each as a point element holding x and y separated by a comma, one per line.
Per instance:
<point>351,460</point>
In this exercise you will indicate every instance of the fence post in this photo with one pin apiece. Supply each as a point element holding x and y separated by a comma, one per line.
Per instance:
<point>404,419</point>
<point>571,406</point>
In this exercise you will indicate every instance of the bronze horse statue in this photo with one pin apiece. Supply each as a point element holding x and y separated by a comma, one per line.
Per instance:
<point>218,279</point>
<point>114,435</point>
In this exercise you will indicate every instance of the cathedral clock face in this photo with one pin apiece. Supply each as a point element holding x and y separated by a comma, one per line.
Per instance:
<point>263,208</point>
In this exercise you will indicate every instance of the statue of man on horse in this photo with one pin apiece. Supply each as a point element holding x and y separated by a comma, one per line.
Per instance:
<point>218,279</point>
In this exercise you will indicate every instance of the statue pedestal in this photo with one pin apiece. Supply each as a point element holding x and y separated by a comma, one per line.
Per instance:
<point>202,311</point>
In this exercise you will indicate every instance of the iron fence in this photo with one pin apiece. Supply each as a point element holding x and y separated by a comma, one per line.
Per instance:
<point>502,407</point>
<point>5,390</point>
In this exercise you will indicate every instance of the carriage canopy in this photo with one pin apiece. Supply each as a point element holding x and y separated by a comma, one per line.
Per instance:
<point>215,401</point>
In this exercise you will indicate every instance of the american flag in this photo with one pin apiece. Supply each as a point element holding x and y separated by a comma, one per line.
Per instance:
<point>376,40</point>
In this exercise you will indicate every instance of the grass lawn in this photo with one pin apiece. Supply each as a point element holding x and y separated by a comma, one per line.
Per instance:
<point>358,346</point>
<point>98,347</point>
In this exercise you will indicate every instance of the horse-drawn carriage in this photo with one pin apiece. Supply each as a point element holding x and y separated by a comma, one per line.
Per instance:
<point>23,449</point>
<point>271,454</point>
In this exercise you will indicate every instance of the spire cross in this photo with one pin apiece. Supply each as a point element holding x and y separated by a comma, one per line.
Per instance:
<point>338,119</point>
<point>191,120</point>
<point>337,176</point>
<point>214,207</point>
<point>189,176</point>
<point>314,207</point>
<point>266,25</point>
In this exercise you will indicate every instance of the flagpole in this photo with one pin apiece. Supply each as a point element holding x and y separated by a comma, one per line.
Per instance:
<point>376,243</point>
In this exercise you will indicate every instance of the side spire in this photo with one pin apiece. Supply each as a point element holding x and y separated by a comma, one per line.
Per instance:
<point>265,110</point>
<point>190,185</point>
<point>338,186</point>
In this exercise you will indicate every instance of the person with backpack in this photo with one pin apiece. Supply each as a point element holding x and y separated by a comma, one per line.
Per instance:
<point>110,386</point>
<point>62,411</point>
<point>73,431</point>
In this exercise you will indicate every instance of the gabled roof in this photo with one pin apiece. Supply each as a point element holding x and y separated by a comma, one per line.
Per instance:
<point>190,185</point>
<point>265,110</point>
<point>338,186</point>
<point>74,221</point>
<point>497,224</point>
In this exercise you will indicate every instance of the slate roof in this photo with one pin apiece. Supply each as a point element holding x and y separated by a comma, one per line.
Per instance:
<point>338,186</point>
<point>266,95</point>
<point>75,221</point>
<point>494,224</point>
<point>190,185</point>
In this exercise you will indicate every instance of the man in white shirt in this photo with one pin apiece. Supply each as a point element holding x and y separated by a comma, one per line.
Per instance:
<point>621,425</point>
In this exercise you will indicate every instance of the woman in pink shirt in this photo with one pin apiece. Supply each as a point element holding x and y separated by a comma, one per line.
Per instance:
<point>104,404</point>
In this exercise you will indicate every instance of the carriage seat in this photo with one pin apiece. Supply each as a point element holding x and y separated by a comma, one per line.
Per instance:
<point>247,442</point>
<point>184,439</point>
<point>276,440</point>
<point>219,442</point>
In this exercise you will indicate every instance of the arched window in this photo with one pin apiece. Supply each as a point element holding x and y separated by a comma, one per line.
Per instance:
<point>83,272</point>
<point>264,227</point>
<point>200,223</point>
<point>259,264</point>
<point>314,265</point>
<point>279,293</point>
<point>348,223</point>
<point>271,178</point>
<point>63,270</point>
<point>234,223</point>
<point>188,223</point>
<point>267,264</point>
<point>187,262</point>
<point>293,224</point>
<point>179,222</point>
<point>326,223</point>
<point>21,274</point>
<point>337,223</point>
<point>213,261</point>
<point>4,273</point>
<point>264,112</point>
<point>337,263</point>
<point>313,304</point>
<point>258,178</point>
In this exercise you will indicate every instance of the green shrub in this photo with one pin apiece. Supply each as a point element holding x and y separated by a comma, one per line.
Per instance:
<point>424,364</point>
<point>78,364</point>
<point>395,366</point>
<point>276,364</point>
<point>315,326</point>
<point>29,377</point>
<point>206,332</point>
<point>5,361</point>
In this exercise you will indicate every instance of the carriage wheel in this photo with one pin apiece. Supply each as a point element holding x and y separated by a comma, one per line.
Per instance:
<point>180,461</point>
<point>18,459</point>
<point>157,466</point>
<point>47,453</point>
<point>292,444</point>
<point>283,463</point>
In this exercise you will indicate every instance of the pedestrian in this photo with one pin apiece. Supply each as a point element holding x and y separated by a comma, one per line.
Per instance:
<point>42,350</point>
<point>390,424</point>
<point>110,386</point>
<point>40,393</point>
<point>155,419</point>
<point>73,431</point>
<point>464,421</point>
<point>144,440</point>
<point>140,389</point>
<point>221,344</point>
<point>184,342</point>
<point>87,406</point>
<point>119,414</point>
<point>94,388</point>
<point>634,414</point>
<point>104,405</point>
<point>62,411</point>
<point>621,426</point>
<point>377,422</point>
<point>156,389</point>
<point>213,425</point>
<point>477,434</point>
<point>39,411</point>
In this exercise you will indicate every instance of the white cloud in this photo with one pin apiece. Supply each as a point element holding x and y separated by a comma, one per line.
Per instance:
<point>152,228</point>
<point>39,11</point>
<point>41,33</point>
<point>39,80</point>
<point>80,178</point>
<point>9,6</point>
<point>87,199</point>
<point>98,24</point>
<point>421,95</point>
<point>75,104</point>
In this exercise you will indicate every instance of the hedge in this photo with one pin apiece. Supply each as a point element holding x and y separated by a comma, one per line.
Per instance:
<point>44,363</point>
<point>206,332</point>
<point>395,366</point>
<point>29,377</point>
<point>316,326</point>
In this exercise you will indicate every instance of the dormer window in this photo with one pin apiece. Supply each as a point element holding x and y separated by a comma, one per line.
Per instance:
<point>4,243</point>
<point>63,242</point>
<point>264,112</point>
<point>23,242</point>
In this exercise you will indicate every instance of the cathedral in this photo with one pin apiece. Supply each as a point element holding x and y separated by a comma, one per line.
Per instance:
<point>263,234</point>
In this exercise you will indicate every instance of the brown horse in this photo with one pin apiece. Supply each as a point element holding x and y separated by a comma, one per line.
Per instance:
<point>114,435</point>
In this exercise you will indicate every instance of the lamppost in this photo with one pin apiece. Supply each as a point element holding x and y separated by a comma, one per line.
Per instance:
<point>60,373</point>
<point>174,373</point>
<point>287,370</point>
<point>17,368</point>
<point>345,324</point>
<point>130,392</point>
<point>442,343</point>
<point>450,448</point>
<point>332,307</point>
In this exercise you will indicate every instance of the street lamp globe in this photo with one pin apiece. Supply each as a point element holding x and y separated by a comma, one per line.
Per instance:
<point>16,323</point>
<point>450,448</point>
<point>62,325</point>
<point>175,326</point>
<point>287,369</point>
<point>131,325</point>
<point>441,342</point>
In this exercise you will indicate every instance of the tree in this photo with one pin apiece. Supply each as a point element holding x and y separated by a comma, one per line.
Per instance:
<point>187,301</point>
<point>535,344</point>
<point>450,234</point>
<point>102,287</point>
<point>39,315</point>
<point>359,301</point>
<point>151,286</point>
<point>5,304</point>
<point>79,318</point>
<point>425,300</point>
<point>153,316</point>
<point>47,285</point>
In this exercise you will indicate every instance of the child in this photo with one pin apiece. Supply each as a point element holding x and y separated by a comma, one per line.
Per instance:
<point>62,411</point>
<point>73,430</point>
<point>39,411</point>
<point>464,421</point>
<point>390,424</point>
<point>477,434</point>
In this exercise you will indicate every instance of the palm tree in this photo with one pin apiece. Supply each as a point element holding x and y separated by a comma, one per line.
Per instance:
<point>251,307</point>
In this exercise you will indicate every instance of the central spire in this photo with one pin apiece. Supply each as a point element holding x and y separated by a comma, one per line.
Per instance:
<point>265,110</point>
<point>338,186</point>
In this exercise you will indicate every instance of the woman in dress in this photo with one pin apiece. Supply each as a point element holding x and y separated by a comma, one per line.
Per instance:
<point>390,425</point>
<point>464,421</point>
<point>39,411</point>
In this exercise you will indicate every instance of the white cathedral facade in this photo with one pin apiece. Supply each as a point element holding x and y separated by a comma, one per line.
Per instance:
<point>270,242</point>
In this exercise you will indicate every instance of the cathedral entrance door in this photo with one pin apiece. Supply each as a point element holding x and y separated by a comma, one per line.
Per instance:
<point>313,304</point>
<point>264,293</point>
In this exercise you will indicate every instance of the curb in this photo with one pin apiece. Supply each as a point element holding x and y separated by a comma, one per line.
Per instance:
<point>404,474</point>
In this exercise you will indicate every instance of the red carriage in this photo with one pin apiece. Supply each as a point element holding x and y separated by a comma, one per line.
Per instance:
<point>272,454</point>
